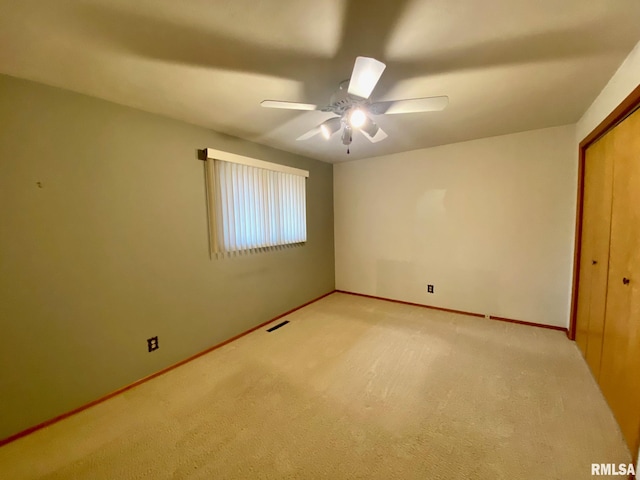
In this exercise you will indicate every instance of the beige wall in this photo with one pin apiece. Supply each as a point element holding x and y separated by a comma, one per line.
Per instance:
<point>623,82</point>
<point>113,250</point>
<point>489,222</point>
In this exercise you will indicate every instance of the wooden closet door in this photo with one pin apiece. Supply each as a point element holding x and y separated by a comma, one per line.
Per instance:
<point>594,256</point>
<point>620,368</point>
<point>586,249</point>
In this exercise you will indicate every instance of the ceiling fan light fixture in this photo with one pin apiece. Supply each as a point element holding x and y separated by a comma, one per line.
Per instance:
<point>357,118</point>
<point>330,127</point>
<point>346,135</point>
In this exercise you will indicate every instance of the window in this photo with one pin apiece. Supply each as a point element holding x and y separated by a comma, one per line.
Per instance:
<point>253,204</point>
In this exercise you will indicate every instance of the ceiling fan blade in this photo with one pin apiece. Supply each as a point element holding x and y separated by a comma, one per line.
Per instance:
<point>379,136</point>
<point>410,105</point>
<point>289,105</point>
<point>311,133</point>
<point>366,73</point>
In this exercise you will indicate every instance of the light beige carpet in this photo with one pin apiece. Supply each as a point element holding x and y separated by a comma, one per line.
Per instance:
<point>351,388</point>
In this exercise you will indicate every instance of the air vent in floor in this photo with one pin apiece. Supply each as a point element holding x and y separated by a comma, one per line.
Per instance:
<point>277,326</point>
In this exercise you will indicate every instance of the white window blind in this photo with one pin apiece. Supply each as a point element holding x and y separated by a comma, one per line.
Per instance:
<point>254,205</point>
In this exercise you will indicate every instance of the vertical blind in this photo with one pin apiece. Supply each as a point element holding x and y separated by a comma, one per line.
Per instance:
<point>254,208</point>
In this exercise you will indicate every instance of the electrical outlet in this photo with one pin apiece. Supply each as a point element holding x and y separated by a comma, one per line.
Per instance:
<point>152,344</point>
<point>429,288</point>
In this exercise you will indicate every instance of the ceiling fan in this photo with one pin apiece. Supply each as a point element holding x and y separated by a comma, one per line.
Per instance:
<point>354,110</point>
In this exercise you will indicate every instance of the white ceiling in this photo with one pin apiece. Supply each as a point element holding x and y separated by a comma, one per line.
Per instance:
<point>507,65</point>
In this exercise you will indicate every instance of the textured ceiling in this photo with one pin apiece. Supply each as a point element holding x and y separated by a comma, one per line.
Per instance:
<point>507,65</point>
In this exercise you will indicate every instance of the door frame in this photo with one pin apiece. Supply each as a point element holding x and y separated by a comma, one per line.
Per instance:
<point>626,107</point>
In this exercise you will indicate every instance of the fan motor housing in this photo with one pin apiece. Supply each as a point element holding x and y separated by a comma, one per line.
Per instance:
<point>341,102</point>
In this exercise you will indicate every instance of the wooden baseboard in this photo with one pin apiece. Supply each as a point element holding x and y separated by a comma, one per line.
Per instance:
<point>502,319</point>
<point>51,421</point>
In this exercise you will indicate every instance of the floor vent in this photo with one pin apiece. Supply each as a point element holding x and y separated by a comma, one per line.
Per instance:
<point>277,326</point>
